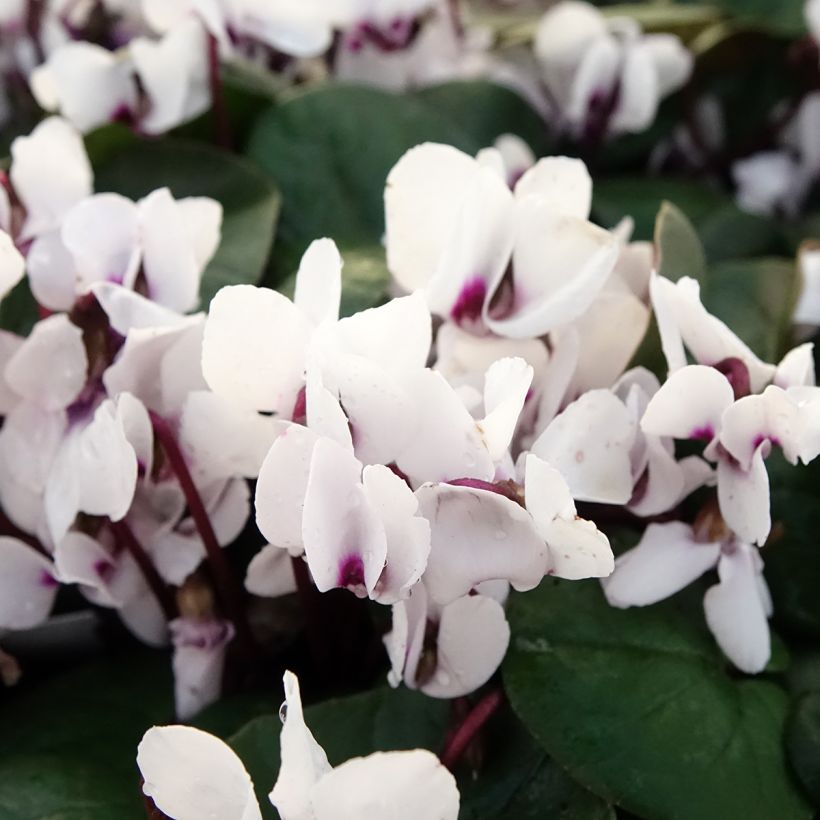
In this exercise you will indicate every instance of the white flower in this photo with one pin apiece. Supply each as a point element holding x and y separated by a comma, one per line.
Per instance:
<point>669,557</point>
<point>605,75</point>
<point>190,774</point>
<point>454,228</point>
<point>28,585</point>
<point>12,264</point>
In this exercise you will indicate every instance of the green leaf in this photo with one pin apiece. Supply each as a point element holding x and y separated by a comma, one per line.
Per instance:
<point>18,311</point>
<point>330,151</point>
<point>803,740</point>
<point>678,249</point>
<point>756,298</point>
<point>69,744</point>
<point>249,199</point>
<point>638,705</point>
<point>517,776</point>
<point>783,17</point>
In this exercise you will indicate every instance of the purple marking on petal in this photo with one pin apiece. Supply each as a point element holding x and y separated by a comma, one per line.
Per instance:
<point>299,414</point>
<point>506,488</point>
<point>470,301</point>
<point>761,438</point>
<point>104,569</point>
<point>351,572</point>
<point>48,580</point>
<point>737,374</point>
<point>397,471</point>
<point>705,433</point>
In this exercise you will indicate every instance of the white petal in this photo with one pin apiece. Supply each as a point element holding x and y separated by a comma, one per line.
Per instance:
<point>144,617</point>
<point>407,533</point>
<point>560,263</point>
<point>253,348</point>
<point>665,560</point>
<point>270,573</point>
<point>473,636</point>
<point>12,265</point>
<point>478,535</point>
<point>345,542</point>
<point>771,417</point>
<point>319,282</point>
<point>736,612</point>
<point>173,72</point>
<point>638,92</point>
<point>689,405</point>
<point>506,385</point>
<point>564,184</point>
<point>28,585</point>
<point>304,762</point>
<point>190,774</point>
<point>796,368</point>
<point>50,172</point>
<point>280,490</point>
<point>102,233</point>
<point>589,444</point>
<point>410,785</point>
<point>744,497</point>
<point>87,83</point>
<point>665,481</point>
<point>170,263</point>
<point>807,309</point>
<point>446,442</point>
<point>129,311</point>
<point>672,61</point>
<point>52,272</point>
<point>199,658</point>
<point>9,344</point>
<point>49,368</point>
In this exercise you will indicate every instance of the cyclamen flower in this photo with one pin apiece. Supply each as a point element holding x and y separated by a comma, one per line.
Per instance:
<point>177,761</point>
<point>12,265</point>
<point>671,556</point>
<point>605,76</point>
<point>517,264</point>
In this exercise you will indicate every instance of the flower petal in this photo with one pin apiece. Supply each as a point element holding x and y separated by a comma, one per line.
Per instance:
<point>270,573</point>
<point>12,265</point>
<point>190,774</point>
<point>563,183</point>
<point>28,585</point>
<point>743,496</point>
<point>506,385</point>
<point>319,282</point>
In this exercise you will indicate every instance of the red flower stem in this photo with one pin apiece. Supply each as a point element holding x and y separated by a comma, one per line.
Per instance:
<point>128,541</point>
<point>230,592</point>
<point>465,734</point>
<point>222,123</point>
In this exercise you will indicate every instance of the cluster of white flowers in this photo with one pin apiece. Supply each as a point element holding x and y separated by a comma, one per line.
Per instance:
<point>190,774</point>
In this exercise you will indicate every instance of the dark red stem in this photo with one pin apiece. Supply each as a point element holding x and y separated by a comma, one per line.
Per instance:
<point>128,541</point>
<point>465,734</point>
<point>222,122</point>
<point>230,592</point>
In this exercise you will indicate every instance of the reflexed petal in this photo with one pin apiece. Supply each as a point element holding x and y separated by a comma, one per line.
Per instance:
<point>423,198</point>
<point>102,233</point>
<point>665,481</point>
<point>736,611</point>
<point>564,184</point>
<point>52,273</point>
<point>596,78</point>
<point>27,585</point>
<point>304,762</point>
<point>199,658</point>
<point>473,636</point>
<point>446,443</point>
<point>405,641</point>
<point>270,573</point>
<point>589,443</point>
<point>29,442</point>
<point>506,385</point>
<point>173,73</point>
<point>88,84</point>
<point>410,785</point>
<point>560,263</point>
<point>253,348</point>
<point>478,535</point>
<point>689,405</point>
<point>319,282</point>
<point>9,344</point>
<point>638,92</point>
<point>796,368</point>
<point>128,311</point>
<point>301,30</point>
<point>50,172</point>
<point>744,497</point>
<point>280,490</point>
<point>190,774</point>
<point>49,368</point>
<point>771,417</point>
<point>807,309</point>
<point>12,265</point>
<point>665,560</point>
<point>345,542</point>
<point>144,617</point>
<point>672,61</point>
<point>407,533</point>
<point>222,439</point>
